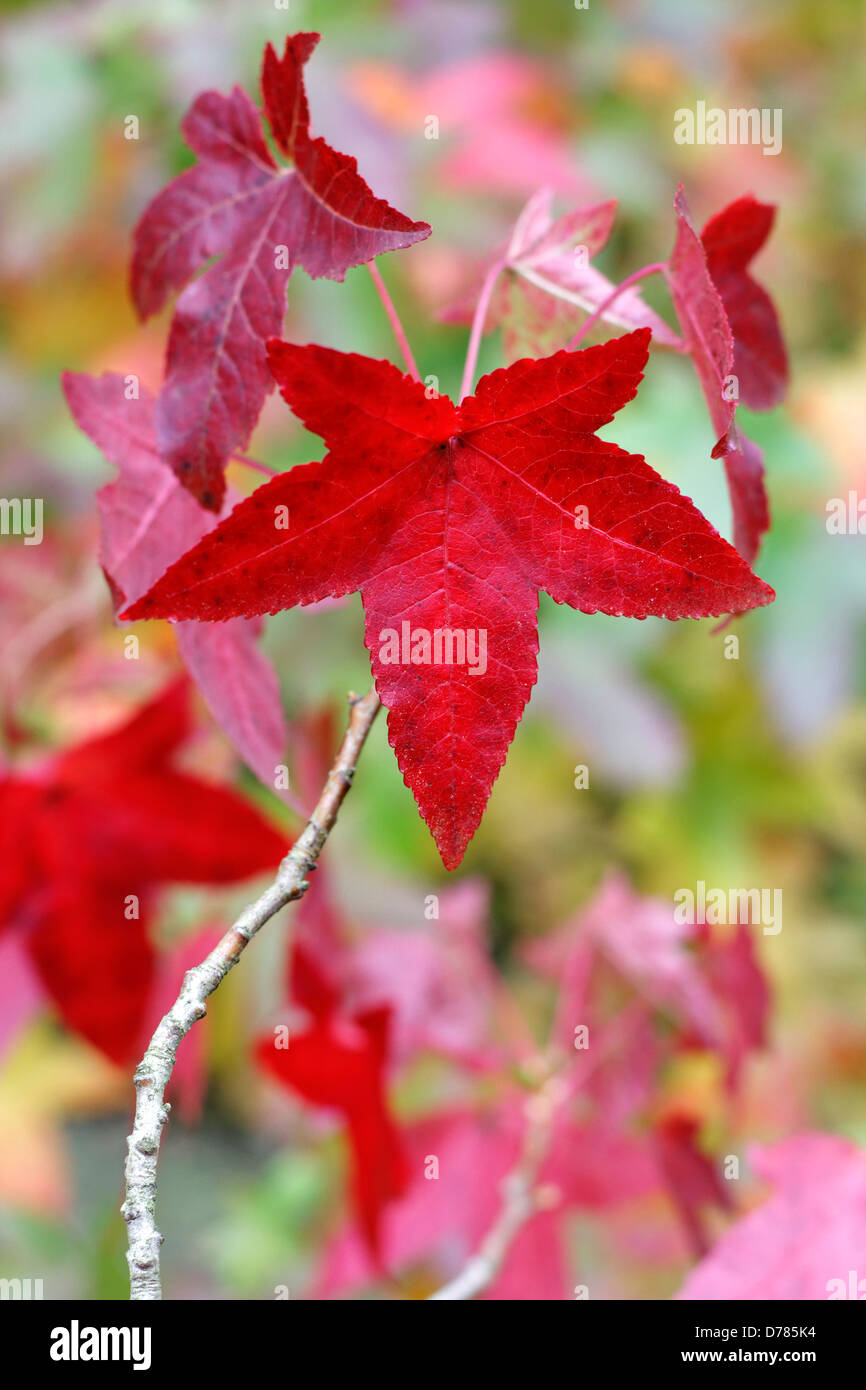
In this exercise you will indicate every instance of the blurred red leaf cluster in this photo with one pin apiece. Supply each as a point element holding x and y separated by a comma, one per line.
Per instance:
<point>88,838</point>
<point>632,990</point>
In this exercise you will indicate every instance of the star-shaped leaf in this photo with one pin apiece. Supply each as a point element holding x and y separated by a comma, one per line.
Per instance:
<point>86,842</point>
<point>449,520</point>
<point>260,220</point>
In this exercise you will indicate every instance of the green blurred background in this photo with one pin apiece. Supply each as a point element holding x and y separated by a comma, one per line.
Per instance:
<point>749,771</point>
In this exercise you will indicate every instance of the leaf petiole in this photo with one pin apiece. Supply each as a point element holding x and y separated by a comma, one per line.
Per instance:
<point>254,463</point>
<point>615,293</point>
<point>478,325</point>
<point>393,319</point>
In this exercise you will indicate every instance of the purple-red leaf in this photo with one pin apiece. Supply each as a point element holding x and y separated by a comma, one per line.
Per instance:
<point>259,220</point>
<point>730,239</point>
<point>704,323</point>
<point>733,336</point>
<point>147,520</point>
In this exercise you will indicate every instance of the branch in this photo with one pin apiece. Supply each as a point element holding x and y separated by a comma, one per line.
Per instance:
<point>154,1071</point>
<point>521,1198</point>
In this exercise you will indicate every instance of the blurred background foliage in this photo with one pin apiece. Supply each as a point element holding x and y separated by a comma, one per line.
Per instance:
<point>749,771</point>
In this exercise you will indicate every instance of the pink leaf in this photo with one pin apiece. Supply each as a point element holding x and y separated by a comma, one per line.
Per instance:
<point>550,259</point>
<point>642,941</point>
<point>447,1211</point>
<point>805,1240</point>
<point>21,993</point>
<point>435,978</point>
<point>240,688</point>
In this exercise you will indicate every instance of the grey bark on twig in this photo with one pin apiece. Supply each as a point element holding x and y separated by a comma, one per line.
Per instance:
<point>155,1069</point>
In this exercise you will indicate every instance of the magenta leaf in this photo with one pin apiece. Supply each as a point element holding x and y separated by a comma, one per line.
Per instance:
<point>806,1240</point>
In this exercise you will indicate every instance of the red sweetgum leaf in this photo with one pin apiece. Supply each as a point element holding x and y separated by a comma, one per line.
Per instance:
<point>147,520</point>
<point>450,519</point>
<point>93,837</point>
<point>96,966</point>
<point>339,1064</point>
<point>259,220</point>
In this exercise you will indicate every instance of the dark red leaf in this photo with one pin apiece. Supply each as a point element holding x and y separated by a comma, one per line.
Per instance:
<point>730,240</point>
<point>706,281</point>
<point>692,1178</point>
<point>238,205</point>
<point>704,323</point>
<point>744,469</point>
<point>741,987</point>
